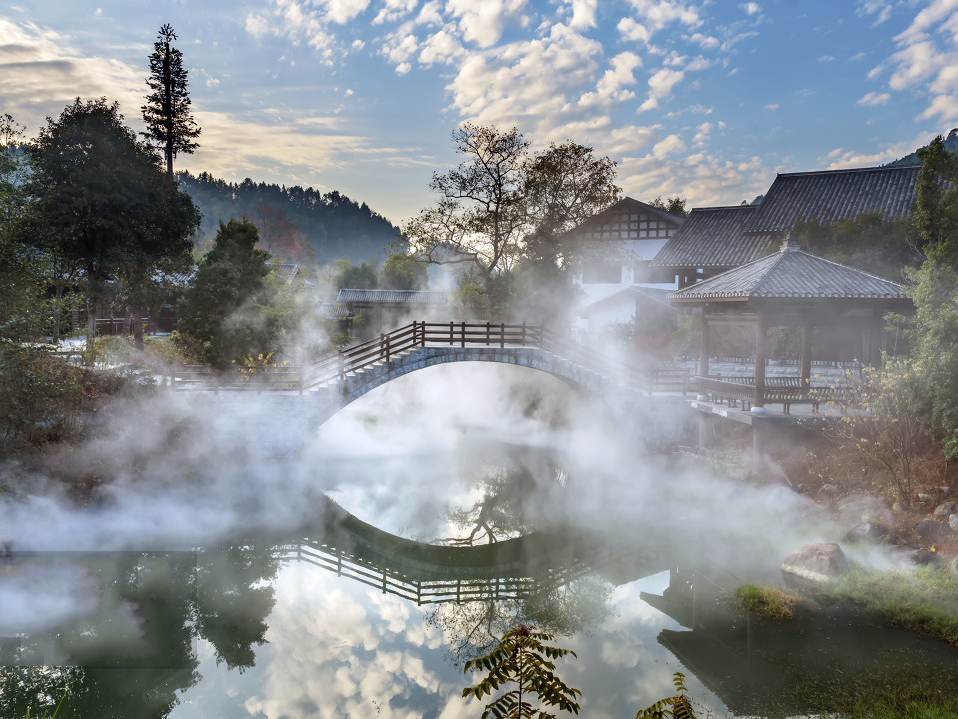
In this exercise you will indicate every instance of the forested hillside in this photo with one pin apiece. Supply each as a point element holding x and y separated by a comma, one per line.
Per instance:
<point>951,144</point>
<point>295,224</point>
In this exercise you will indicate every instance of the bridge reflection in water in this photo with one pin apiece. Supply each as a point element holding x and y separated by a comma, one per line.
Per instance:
<point>527,566</point>
<point>225,596</point>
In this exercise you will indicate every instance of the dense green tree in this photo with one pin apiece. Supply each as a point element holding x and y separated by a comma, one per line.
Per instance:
<point>934,345</point>
<point>101,202</point>
<point>356,277</point>
<point>167,110</point>
<point>866,242</point>
<point>235,311</point>
<point>21,279</point>
<point>675,205</point>
<point>936,204</point>
<point>402,271</point>
<point>564,186</point>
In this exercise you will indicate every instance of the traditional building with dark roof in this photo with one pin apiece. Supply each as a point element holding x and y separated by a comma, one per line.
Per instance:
<point>617,246</point>
<point>716,239</point>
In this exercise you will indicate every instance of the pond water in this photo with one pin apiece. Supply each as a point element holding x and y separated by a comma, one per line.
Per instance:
<point>370,609</point>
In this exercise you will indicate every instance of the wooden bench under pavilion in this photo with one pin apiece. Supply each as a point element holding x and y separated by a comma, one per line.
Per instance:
<point>790,288</point>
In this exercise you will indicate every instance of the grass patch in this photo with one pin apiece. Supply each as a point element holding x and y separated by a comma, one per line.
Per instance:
<point>902,695</point>
<point>924,600</point>
<point>766,601</point>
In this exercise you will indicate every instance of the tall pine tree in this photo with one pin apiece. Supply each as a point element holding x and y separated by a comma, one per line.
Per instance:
<point>167,110</point>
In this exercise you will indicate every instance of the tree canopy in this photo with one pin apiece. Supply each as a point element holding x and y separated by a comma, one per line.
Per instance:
<point>233,312</point>
<point>936,204</point>
<point>502,216</point>
<point>101,203</point>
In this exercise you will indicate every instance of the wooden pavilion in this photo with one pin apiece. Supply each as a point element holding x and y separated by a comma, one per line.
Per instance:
<point>790,288</point>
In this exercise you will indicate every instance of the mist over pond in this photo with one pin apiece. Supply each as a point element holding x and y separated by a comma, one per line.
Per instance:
<point>249,585</point>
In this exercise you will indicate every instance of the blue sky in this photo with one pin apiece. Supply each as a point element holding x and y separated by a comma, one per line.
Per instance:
<point>704,99</point>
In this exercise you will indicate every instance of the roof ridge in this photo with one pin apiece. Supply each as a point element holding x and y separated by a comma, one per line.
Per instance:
<point>734,269</point>
<point>849,169</point>
<point>724,207</point>
<point>781,256</point>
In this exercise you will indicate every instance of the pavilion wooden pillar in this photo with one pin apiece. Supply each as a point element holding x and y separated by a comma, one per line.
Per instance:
<point>805,363</point>
<point>761,352</point>
<point>876,331</point>
<point>704,348</point>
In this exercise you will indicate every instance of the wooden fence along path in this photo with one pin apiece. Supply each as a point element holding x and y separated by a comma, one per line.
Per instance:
<point>391,345</point>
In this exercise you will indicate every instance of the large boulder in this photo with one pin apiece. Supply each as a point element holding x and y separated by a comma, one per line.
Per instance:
<point>816,562</point>
<point>863,508</point>
<point>933,531</point>
<point>946,508</point>
<point>866,532</point>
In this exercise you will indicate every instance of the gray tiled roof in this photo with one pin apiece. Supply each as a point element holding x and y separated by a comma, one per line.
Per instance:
<point>405,297</point>
<point>835,195</point>
<point>791,273</point>
<point>714,237</point>
<point>655,294</point>
<point>731,236</point>
<point>286,271</point>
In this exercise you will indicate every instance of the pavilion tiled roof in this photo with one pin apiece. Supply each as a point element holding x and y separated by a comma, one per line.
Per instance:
<point>714,237</point>
<point>791,273</point>
<point>395,297</point>
<point>731,236</point>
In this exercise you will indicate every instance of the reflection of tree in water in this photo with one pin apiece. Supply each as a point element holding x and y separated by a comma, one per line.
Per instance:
<point>137,650</point>
<point>473,628</point>
<point>511,497</point>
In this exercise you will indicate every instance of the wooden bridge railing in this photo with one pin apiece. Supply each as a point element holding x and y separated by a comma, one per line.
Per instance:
<point>389,345</point>
<point>464,334</point>
<point>426,591</point>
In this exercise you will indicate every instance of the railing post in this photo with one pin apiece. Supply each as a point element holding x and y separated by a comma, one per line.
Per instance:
<point>488,325</point>
<point>342,366</point>
<point>523,332</point>
<point>502,335</point>
<point>462,334</point>
<point>388,343</point>
<point>450,334</point>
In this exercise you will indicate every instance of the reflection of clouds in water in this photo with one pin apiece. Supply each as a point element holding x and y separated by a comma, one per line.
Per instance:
<point>37,595</point>
<point>337,648</point>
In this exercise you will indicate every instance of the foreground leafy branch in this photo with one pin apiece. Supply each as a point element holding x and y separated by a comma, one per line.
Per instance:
<point>523,659</point>
<point>678,706</point>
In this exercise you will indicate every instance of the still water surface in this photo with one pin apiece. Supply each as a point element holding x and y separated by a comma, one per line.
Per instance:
<point>371,608</point>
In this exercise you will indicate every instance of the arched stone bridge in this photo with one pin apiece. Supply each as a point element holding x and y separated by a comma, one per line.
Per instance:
<point>302,399</point>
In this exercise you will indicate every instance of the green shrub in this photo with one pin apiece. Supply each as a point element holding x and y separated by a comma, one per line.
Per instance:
<point>39,395</point>
<point>766,601</point>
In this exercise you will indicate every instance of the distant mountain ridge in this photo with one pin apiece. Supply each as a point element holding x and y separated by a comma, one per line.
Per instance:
<point>951,144</point>
<point>295,224</point>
